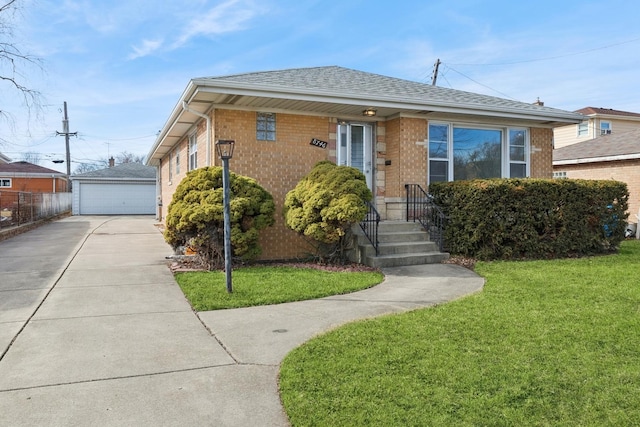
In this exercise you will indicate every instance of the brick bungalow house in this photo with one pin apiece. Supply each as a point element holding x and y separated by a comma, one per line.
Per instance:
<point>611,156</point>
<point>25,176</point>
<point>395,131</point>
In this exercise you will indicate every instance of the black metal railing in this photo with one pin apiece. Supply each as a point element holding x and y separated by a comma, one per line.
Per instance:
<point>370,225</point>
<point>420,207</point>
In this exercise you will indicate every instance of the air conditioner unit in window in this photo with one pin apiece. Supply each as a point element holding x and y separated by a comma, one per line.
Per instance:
<point>605,131</point>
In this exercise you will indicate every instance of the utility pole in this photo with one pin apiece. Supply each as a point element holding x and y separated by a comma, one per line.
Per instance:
<point>66,133</point>
<point>435,72</point>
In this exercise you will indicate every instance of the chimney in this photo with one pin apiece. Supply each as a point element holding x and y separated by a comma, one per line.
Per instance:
<point>538,102</point>
<point>112,162</point>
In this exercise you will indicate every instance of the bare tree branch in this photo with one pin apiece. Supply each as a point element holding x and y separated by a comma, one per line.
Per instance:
<point>14,62</point>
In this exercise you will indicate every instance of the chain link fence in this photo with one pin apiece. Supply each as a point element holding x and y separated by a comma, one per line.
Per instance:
<point>19,207</point>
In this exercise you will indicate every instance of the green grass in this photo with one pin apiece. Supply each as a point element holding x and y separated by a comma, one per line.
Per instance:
<point>547,343</point>
<point>206,290</point>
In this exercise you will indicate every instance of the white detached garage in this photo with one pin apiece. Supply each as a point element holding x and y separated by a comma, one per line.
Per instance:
<point>126,189</point>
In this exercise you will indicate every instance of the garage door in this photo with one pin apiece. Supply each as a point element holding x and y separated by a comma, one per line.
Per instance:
<point>117,199</point>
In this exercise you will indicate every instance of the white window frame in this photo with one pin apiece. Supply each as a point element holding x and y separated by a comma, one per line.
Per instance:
<point>505,167</point>
<point>177,156</point>
<point>583,128</point>
<point>605,127</point>
<point>6,183</point>
<point>193,151</point>
<point>170,166</point>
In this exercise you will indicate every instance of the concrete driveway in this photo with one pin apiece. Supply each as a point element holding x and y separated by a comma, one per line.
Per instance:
<point>95,331</point>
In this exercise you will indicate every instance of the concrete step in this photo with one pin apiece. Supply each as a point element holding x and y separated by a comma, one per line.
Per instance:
<point>399,260</point>
<point>399,248</point>
<point>398,226</point>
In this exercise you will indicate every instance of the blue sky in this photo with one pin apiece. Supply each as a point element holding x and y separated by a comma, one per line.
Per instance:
<point>122,65</point>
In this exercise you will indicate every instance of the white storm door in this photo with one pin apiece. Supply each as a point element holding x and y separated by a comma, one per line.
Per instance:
<point>355,149</point>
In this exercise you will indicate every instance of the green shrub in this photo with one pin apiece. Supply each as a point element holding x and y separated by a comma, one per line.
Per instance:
<point>532,218</point>
<point>325,204</point>
<point>196,215</point>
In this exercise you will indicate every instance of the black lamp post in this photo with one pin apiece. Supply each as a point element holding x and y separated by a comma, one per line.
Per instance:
<point>225,151</point>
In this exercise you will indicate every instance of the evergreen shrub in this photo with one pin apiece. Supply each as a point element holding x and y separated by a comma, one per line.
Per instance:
<point>325,204</point>
<point>532,218</point>
<point>196,215</point>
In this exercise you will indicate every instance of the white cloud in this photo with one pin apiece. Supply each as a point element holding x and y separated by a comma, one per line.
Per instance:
<point>147,47</point>
<point>226,17</point>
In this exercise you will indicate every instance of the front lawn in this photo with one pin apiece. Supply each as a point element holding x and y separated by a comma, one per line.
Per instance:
<point>546,343</point>
<point>262,285</point>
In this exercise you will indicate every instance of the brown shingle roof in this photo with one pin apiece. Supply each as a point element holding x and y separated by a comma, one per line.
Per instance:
<point>26,167</point>
<point>588,111</point>
<point>602,148</point>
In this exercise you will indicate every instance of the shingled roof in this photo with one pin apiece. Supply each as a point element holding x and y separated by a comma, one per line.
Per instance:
<point>25,168</point>
<point>135,171</point>
<point>592,111</point>
<point>340,92</point>
<point>344,82</point>
<point>616,146</point>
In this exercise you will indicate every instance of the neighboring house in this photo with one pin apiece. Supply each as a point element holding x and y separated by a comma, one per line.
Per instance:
<point>597,122</point>
<point>395,131</point>
<point>615,156</point>
<point>126,189</point>
<point>4,159</point>
<point>25,176</point>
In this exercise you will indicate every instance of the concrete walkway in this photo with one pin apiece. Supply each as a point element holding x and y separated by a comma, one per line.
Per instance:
<point>95,331</point>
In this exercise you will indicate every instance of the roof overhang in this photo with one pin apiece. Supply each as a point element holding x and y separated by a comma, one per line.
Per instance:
<point>32,175</point>
<point>203,95</point>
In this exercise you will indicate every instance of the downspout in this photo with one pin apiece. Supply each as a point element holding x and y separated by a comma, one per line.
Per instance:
<point>185,107</point>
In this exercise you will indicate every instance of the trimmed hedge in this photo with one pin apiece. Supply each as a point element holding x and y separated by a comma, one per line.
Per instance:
<point>532,218</point>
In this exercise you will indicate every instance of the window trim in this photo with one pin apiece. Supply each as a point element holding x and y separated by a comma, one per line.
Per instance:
<point>177,157</point>
<point>193,151</point>
<point>584,126</point>
<point>5,180</point>
<point>505,149</point>
<point>609,129</point>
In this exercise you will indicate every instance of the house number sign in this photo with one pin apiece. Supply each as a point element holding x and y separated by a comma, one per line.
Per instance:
<point>318,143</point>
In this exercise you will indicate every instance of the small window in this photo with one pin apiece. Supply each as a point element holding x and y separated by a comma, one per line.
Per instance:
<point>583,129</point>
<point>193,152</point>
<point>170,170</point>
<point>605,128</point>
<point>177,161</point>
<point>560,175</point>
<point>5,183</point>
<point>266,126</point>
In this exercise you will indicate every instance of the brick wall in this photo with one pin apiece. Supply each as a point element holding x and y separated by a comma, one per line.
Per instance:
<point>627,171</point>
<point>541,141</point>
<point>37,185</point>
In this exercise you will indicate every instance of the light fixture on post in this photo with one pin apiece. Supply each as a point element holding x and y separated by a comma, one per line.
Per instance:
<point>225,151</point>
<point>369,112</point>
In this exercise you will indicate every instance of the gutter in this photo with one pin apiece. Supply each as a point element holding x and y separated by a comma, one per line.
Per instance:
<point>597,159</point>
<point>185,107</point>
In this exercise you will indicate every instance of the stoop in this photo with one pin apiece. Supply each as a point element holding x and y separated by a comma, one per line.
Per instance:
<point>401,243</point>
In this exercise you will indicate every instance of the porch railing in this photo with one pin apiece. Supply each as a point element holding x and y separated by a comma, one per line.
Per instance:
<point>370,225</point>
<point>420,207</point>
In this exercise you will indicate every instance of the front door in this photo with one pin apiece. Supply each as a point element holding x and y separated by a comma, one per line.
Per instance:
<point>355,148</point>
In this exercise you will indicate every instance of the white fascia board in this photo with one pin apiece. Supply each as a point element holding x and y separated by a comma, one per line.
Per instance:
<point>98,179</point>
<point>597,159</point>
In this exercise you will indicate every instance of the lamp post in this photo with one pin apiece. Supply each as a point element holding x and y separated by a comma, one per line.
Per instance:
<point>225,151</point>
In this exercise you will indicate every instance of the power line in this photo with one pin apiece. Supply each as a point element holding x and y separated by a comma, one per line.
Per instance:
<point>477,82</point>
<point>549,58</point>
